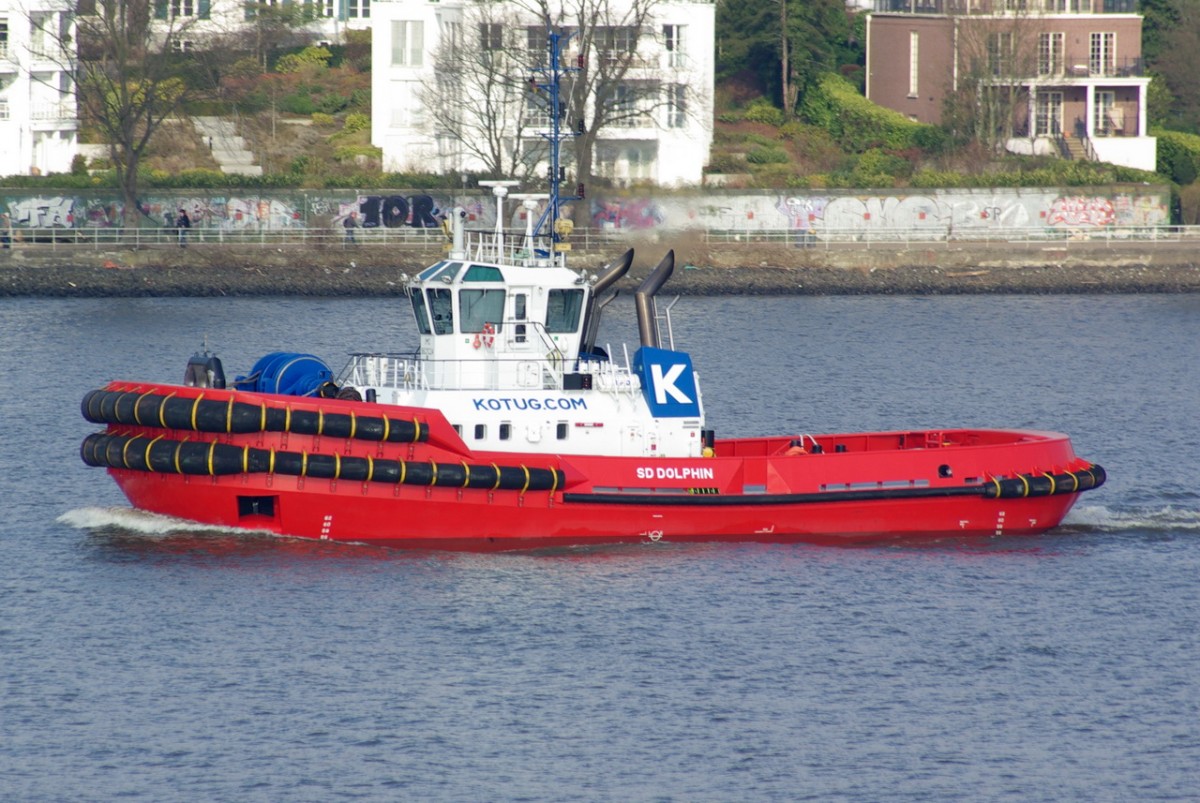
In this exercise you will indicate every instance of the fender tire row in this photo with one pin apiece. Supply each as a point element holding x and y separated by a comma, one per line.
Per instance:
<point>1024,485</point>
<point>198,414</point>
<point>210,458</point>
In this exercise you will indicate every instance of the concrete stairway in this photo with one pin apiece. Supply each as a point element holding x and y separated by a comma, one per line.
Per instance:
<point>227,147</point>
<point>1077,148</point>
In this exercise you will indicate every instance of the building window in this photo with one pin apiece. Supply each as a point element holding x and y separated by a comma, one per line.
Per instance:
<point>676,106</point>
<point>1107,118</point>
<point>182,45</point>
<point>914,62</point>
<point>1103,56</point>
<point>182,8</point>
<point>616,44</point>
<point>1049,114</point>
<point>491,36</point>
<point>1050,54</point>
<point>3,37</point>
<point>673,44</point>
<point>408,43</point>
<point>358,9</point>
<point>3,109</point>
<point>999,53</point>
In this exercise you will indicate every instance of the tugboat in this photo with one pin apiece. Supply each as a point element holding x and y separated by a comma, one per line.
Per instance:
<point>509,428</point>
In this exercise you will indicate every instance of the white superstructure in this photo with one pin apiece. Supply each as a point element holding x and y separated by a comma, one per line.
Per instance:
<point>507,353</point>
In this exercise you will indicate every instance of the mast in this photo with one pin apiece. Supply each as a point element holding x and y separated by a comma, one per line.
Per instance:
<point>550,78</point>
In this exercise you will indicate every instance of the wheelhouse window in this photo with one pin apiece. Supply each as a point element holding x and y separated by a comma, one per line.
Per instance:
<point>421,313</point>
<point>562,310</point>
<point>479,307</point>
<point>483,273</point>
<point>441,308</point>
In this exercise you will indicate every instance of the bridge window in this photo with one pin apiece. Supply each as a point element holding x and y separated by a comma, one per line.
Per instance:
<point>479,307</point>
<point>562,310</point>
<point>441,305</point>
<point>421,313</point>
<point>483,273</point>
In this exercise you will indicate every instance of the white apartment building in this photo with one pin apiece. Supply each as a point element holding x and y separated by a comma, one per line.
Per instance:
<point>665,141</point>
<point>37,95</point>
<point>192,23</point>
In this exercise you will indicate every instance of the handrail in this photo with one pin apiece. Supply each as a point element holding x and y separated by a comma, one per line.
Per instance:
<point>1087,226</point>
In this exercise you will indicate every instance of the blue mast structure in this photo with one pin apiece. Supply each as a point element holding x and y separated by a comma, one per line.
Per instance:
<point>551,76</point>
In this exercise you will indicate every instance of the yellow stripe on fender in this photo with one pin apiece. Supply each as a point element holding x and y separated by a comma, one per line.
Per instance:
<point>150,467</point>
<point>162,409</point>
<point>195,409</point>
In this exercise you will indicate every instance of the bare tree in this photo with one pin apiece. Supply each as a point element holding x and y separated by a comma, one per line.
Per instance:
<point>130,78</point>
<point>480,98</point>
<point>998,57</point>
<point>611,88</point>
<point>271,26</point>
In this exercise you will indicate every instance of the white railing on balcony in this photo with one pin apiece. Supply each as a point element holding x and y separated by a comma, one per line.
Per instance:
<point>52,111</point>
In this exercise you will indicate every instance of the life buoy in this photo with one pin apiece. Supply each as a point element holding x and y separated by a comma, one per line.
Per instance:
<point>485,337</point>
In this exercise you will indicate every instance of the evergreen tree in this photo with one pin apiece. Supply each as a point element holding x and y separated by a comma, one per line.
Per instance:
<point>784,44</point>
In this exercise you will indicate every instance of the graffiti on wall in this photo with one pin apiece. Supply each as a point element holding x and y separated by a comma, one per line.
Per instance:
<point>393,211</point>
<point>934,212</point>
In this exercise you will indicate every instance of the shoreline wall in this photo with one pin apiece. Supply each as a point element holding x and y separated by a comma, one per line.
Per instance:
<point>935,214</point>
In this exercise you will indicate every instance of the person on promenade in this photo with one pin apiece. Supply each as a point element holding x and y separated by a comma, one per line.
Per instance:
<point>183,222</point>
<point>350,224</point>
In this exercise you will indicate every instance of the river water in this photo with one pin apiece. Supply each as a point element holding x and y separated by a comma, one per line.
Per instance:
<point>150,661</point>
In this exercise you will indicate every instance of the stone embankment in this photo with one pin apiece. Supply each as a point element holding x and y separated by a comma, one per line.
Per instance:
<point>42,270</point>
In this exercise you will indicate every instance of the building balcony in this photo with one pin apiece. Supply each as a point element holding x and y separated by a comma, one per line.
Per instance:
<point>1006,7</point>
<point>1081,65</point>
<point>53,116</point>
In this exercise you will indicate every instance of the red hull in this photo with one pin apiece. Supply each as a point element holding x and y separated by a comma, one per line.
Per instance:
<point>861,488</point>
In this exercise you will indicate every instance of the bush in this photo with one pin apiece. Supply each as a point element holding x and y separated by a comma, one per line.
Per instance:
<point>767,154</point>
<point>356,122</point>
<point>309,57</point>
<point>299,103</point>
<point>1178,155</point>
<point>323,120</point>
<point>761,110</point>
<point>855,122</point>
<point>727,163</point>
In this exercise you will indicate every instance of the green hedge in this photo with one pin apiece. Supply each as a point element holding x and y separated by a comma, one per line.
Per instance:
<point>856,123</point>
<point>1178,155</point>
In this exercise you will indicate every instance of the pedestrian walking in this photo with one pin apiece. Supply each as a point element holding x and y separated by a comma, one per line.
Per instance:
<point>350,224</point>
<point>183,222</point>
